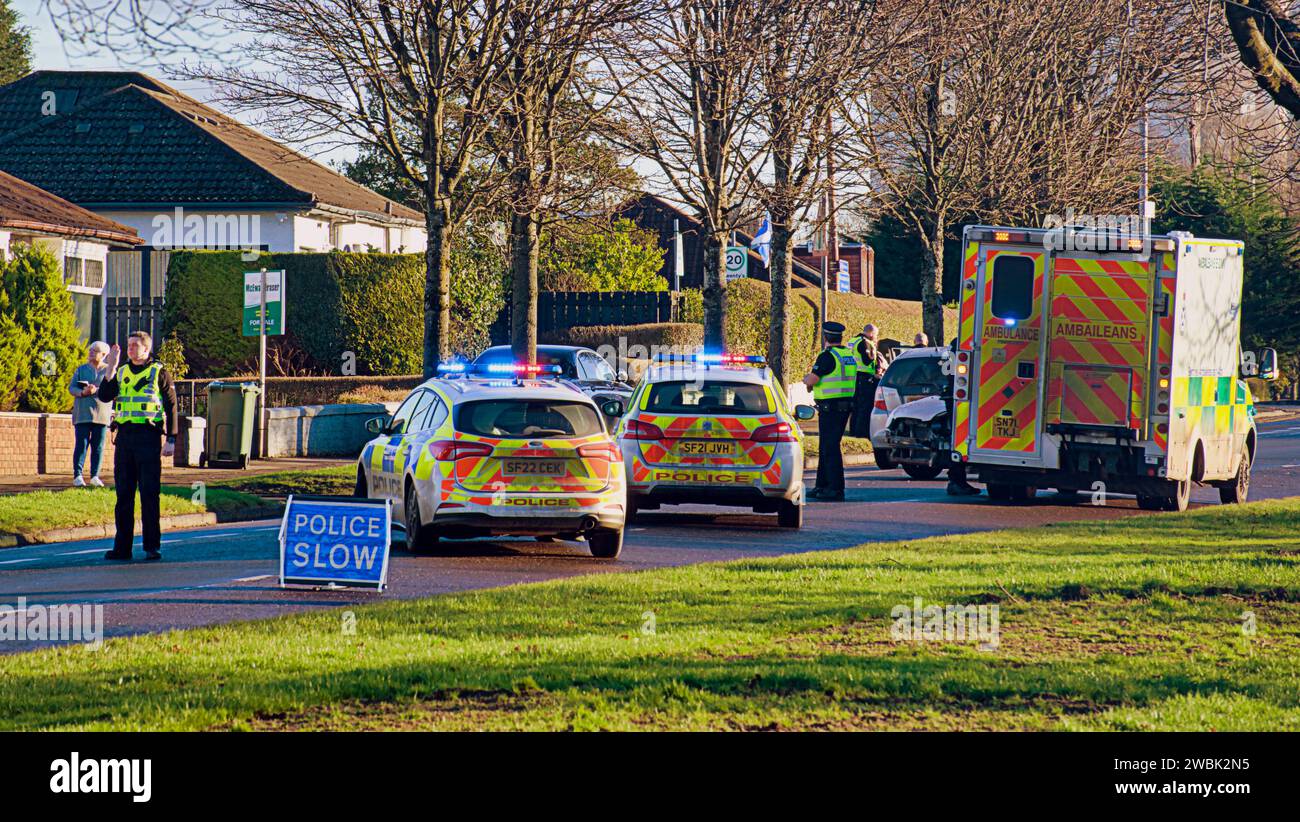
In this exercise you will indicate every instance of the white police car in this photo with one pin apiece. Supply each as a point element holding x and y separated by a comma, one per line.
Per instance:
<point>714,429</point>
<point>504,452</point>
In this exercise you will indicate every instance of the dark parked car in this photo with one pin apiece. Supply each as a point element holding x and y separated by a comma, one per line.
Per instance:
<point>580,367</point>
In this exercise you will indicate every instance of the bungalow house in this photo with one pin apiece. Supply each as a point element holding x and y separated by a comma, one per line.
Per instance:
<point>79,239</point>
<point>184,175</point>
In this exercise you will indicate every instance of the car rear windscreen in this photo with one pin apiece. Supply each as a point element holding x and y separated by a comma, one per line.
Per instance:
<point>687,397</point>
<point>917,373</point>
<point>530,419</point>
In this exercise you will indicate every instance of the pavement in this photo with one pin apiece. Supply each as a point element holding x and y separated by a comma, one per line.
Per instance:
<point>228,572</point>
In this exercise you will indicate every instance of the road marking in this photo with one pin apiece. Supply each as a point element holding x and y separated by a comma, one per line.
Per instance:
<point>254,579</point>
<point>16,561</point>
<point>79,553</point>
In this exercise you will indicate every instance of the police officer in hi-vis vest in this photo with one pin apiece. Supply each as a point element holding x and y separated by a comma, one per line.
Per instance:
<point>144,412</point>
<point>871,365</point>
<point>833,381</point>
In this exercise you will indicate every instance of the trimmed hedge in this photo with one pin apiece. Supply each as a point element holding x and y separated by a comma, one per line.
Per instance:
<point>369,304</point>
<point>647,335</point>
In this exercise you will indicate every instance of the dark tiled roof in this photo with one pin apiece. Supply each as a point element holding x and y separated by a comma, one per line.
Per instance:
<point>146,145</point>
<point>24,206</point>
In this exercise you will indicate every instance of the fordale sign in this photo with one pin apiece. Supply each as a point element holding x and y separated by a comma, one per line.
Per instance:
<point>335,541</point>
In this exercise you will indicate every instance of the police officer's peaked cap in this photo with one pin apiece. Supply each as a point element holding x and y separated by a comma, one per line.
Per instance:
<point>833,329</point>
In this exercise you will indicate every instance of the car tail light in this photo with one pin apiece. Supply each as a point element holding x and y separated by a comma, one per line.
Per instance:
<point>601,451</point>
<point>639,430</point>
<point>960,393</point>
<point>1163,428</point>
<point>1162,408</point>
<point>448,450</point>
<point>776,432</point>
<point>881,405</point>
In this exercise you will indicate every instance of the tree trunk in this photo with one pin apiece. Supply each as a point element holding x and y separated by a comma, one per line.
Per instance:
<point>781,271</point>
<point>715,267</point>
<point>779,355</point>
<point>1269,43</point>
<point>932,285</point>
<point>437,280</point>
<point>523,308</point>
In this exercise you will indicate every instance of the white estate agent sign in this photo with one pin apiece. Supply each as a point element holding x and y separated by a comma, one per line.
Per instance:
<point>253,302</point>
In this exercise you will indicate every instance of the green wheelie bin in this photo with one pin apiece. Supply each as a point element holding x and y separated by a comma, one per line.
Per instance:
<point>232,411</point>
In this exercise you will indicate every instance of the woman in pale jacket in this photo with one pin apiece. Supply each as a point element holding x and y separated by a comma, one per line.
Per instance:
<point>90,417</point>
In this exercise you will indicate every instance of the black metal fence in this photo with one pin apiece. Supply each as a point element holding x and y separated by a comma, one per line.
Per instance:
<point>566,309</point>
<point>122,315</point>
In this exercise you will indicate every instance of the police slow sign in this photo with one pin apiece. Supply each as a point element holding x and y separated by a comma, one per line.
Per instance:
<point>336,541</point>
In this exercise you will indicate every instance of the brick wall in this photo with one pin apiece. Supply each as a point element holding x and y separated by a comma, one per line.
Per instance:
<point>42,444</point>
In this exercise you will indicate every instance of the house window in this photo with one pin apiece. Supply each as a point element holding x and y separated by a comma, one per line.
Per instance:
<point>72,271</point>
<point>94,274</point>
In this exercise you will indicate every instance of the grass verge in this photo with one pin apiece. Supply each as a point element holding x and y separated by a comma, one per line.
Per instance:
<point>1164,622</point>
<point>848,445</point>
<point>33,512</point>
<point>338,479</point>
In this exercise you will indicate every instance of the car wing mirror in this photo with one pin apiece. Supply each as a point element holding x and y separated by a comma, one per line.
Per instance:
<point>377,425</point>
<point>612,408</point>
<point>1268,364</point>
<point>804,412</point>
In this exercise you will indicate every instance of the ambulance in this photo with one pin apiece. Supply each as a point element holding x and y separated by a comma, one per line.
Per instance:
<point>1101,362</point>
<point>501,450</point>
<point>713,429</point>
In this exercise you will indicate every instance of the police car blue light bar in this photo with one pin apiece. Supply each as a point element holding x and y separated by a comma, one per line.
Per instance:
<point>453,367</point>
<point>521,369</point>
<point>715,358</point>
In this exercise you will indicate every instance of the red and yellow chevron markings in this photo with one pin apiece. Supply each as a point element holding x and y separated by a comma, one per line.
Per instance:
<point>1008,403</point>
<point>1098,351</point>
<point>966,343</point>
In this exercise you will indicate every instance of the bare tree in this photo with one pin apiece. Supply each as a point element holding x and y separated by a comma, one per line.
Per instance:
<point>151,30</point>
<point>1269,42</point>
<point>546,45</point>
<point>1006,116</point>
<point>810,56</point>
<point>419,79</point>
<point>685,73</point>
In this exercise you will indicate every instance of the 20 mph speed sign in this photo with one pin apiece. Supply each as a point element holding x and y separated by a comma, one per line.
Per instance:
<point>737,262</point>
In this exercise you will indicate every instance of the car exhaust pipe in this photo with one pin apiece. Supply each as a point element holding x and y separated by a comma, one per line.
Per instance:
<point>588,523</point>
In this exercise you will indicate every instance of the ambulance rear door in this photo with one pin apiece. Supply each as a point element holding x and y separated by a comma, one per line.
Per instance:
<point>1006,426</point>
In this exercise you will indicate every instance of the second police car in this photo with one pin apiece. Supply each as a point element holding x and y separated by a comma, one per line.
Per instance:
<point>713,429</point>
<point>498,452</point>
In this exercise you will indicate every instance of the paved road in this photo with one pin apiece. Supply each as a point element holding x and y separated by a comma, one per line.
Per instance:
<point>224,573</point>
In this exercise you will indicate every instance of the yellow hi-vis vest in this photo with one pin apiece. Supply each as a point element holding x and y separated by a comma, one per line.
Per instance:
<point>866,367</point>
<point>138,398</point>
<point>841,382</point>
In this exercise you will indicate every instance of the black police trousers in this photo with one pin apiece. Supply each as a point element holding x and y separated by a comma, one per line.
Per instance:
<point>137,466</point>
<point>832,417</point>
<point>864,399</point>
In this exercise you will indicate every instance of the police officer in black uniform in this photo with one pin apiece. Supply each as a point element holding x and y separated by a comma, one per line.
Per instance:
<point>144,413</point>
<point>833,381</point>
